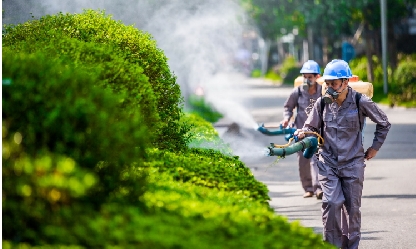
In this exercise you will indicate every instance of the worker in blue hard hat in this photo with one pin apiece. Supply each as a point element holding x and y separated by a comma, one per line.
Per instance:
<point>338,116</point>
<point>302,98</point>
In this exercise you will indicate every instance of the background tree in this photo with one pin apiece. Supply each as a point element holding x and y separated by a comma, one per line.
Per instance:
<point>369,14</point>
<point>330,22</point>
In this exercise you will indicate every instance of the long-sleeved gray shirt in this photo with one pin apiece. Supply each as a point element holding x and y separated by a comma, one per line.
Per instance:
<point>304,102</point>
<point>343,144</point>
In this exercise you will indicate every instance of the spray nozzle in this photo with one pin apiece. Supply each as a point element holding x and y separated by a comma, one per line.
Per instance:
<point>308,145</point>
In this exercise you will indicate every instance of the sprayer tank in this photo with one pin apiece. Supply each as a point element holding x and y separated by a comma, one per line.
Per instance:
<point>356,84</point>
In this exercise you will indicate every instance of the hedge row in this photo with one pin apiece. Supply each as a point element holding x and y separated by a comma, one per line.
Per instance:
<point>66,146</point>
<point>124,58</point>
<point>83,169</point>
<point>203,135</point>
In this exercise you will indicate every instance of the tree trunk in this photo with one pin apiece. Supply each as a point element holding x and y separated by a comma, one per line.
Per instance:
<point>311,44</point>
<point>369,53</point>
<point>325,42</point>
<point>392,47</point>
<point>377,43</point>
<point>280,51</point>
<point>265,57</point>
<point>305,49</point>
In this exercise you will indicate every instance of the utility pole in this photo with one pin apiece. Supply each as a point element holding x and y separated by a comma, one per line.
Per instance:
<point>383,7</point>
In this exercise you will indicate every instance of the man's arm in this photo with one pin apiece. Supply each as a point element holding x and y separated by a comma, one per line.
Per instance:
<point>313,122</point>
<point>288,107</point>
<point>371,110</point>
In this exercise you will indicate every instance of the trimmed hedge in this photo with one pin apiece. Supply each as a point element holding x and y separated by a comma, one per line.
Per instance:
<point>203,135</point>
<point>119,51</point>
<point>182,215</point>
<point>200,107</point>
<point>79,168</point>
<point>211,169</point>
<point>67,146</point>
<point>112,71</point>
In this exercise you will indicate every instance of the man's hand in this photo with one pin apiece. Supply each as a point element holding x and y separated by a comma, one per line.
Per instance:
<point>370,153</point>
<point>299,133</point>
<point>284,123</point>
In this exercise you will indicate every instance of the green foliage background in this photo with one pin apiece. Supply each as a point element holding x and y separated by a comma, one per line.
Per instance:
<point>289,70</point>
<point>402,83</point>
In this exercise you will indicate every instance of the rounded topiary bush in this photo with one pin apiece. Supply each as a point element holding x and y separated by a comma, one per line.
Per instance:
<point>405,81</point>
<point>211,169</point>
<point>289,70</point>
<point>67,147</point>
<point>106,42</point>
<point>56,107</point>
<point>203,109</point>
<point>359,67</point>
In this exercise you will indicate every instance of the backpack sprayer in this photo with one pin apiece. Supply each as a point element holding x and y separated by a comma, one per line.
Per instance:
<point>309,145</point>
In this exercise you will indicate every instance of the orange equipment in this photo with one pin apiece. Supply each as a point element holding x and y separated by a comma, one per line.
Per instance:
<point>355,83</point>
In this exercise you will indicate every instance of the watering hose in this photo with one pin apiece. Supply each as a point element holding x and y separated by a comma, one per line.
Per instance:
<point>281,131</point>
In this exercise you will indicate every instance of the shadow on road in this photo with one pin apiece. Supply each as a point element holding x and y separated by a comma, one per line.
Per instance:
<point>281,194</point>
<point>402,145</point>
<point>390,196</point>
<point>371,238</point>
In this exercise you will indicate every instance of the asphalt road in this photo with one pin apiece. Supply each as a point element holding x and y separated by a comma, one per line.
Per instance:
<point>389,196</point>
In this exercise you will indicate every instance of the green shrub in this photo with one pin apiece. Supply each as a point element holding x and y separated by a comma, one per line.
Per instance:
<point>102,33</point>
<point>271,75</point>
<point>67,147</point>
<point>359,67</point>
<point>256,73</point>
<point>211,169</point>
<point>182,215</point>
<point>289,70</point>
<point>203,109</point>
<point>400,86</point>
<point>103,62</point>
<point>203,135</point>
<point>216,218</point>
<point>75,171</point>
<point>404,89</point>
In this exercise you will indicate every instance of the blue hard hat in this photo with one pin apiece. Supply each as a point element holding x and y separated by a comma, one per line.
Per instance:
<point>310,66</point>
<point>337,69</point>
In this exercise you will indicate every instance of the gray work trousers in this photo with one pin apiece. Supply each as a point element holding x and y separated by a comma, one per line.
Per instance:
<point>308,173</point>
<point>341,204</point>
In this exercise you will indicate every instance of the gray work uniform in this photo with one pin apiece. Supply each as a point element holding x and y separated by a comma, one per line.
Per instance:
<point>308,170</point>
<point>341,163</point>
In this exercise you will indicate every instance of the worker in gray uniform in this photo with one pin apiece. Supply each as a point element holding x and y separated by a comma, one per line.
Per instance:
<point>303,98</point>
<point>339,116</point>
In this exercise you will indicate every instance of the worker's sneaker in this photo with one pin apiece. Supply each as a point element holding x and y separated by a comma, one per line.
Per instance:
<point>307,194</point>
<point>319,195</point>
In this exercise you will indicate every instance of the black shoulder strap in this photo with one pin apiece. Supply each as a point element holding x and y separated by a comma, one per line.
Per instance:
<point>357,102</point>
<point>299,94</point>
<point>322,116</point>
